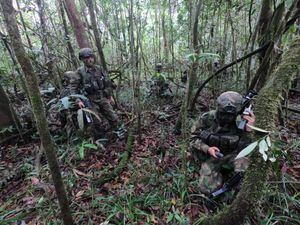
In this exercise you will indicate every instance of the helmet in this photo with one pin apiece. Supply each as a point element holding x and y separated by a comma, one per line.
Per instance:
<point>230,102</point>
<point>69,77</point>
<point>85,52</point>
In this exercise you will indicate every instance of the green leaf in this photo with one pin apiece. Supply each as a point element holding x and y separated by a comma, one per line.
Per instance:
<point>204,56</point>
<point>90,145</point>
<point>170,217</point>
<point>41,200</point>
<point>80,119</point>
<point>92,112</point>
<point>258,129</point>
<point>81,152</point>
<point>272,159</point>
<point>192,57</point>
<point>293,29</point>
<point>265,156</point>
<point>177,217</point>
<point>263,146</point>
<point>246,151</point>
<point>268,139</point>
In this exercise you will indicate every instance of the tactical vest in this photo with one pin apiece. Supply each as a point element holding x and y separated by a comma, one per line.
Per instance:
<point>227,142</point>
<point>93,84</point>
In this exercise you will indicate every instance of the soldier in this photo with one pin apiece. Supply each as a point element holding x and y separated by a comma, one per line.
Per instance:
<point>70,84</point>
<point>217,132</point>
<point>159,84</point>
<point>96,85</point>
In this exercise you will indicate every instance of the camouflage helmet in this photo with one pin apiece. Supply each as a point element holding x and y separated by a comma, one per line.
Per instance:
<point>85,53</point>
<point>69,77</point>
<point>230,102</point>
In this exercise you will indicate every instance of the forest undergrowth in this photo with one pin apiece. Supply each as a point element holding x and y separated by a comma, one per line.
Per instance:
<point>151,189</point>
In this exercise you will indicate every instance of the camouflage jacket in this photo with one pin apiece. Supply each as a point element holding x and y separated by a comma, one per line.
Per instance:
<point>94,82</point>
<point>208,133</point>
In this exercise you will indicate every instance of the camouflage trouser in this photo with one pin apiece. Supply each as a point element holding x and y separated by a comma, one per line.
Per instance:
<point>210,175</point>
<point>104,108</point>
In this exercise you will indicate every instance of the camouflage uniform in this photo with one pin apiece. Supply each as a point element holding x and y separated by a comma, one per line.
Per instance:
<point>96,85</point>
<point>70,84</point>
<point>218,128</point>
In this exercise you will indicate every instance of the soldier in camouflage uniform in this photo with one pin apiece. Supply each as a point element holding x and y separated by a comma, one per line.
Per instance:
<point>95,84</point>
<point>217,132</point>
<point>70,83</point>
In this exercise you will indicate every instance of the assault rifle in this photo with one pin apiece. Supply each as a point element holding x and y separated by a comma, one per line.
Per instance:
<point>87,104</point>
<point>246,108</point>
<point>233,181</point>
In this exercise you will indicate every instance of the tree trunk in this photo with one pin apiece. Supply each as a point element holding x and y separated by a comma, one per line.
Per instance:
<point>267,104</point>
<point>37,105</point>
<point>135,69</point>
<point>273,34</point>
<point>77,24</point>
<point>96,34</point>
<point>46,45</point>
<point>24,26</point>
<point>6,117</point>
<point>192,72</point>
<point>70,48</point>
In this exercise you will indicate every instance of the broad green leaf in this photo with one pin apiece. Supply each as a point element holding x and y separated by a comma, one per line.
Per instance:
<point>92,112</point>
<point>258,129</point>
<point>272,159</point>
<point>81,152</point>
<point>293,29</point>
<point>263,146</point>
<point>265,156</point>
<point>177,217</point>
<point>203,56</point>
<point>246,151</point>
<point>80,119</point>
<point>90,145</point>
<point>192,57</point>
<point>268,139</point>
<point>170,217</point>
<point>54,100</point>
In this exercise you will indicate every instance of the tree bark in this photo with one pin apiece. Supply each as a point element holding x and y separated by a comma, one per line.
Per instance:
<point>267,104</point>
<point>77,24</point>
<point>192,72</point>
<point>96,34</point>
<point>67,35</point>
<point>37,105</point>
<point>46,45</point>
<point>6,117</point>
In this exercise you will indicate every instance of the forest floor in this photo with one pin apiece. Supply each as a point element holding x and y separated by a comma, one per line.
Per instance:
<point>154,188</point>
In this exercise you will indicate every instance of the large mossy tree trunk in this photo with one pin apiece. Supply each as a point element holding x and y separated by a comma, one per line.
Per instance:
<point>37,105</point>
<point>267,105</point>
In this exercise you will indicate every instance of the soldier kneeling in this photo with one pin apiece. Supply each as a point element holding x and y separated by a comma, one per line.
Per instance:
<point>218,140</point>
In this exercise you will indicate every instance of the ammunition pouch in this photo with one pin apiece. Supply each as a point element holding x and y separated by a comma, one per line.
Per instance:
<point>226,143</point>
<point>95,85</point>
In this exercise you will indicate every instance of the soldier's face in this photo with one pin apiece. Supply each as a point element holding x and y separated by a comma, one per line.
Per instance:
<point>89,61</point>
<point>225,118</point>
